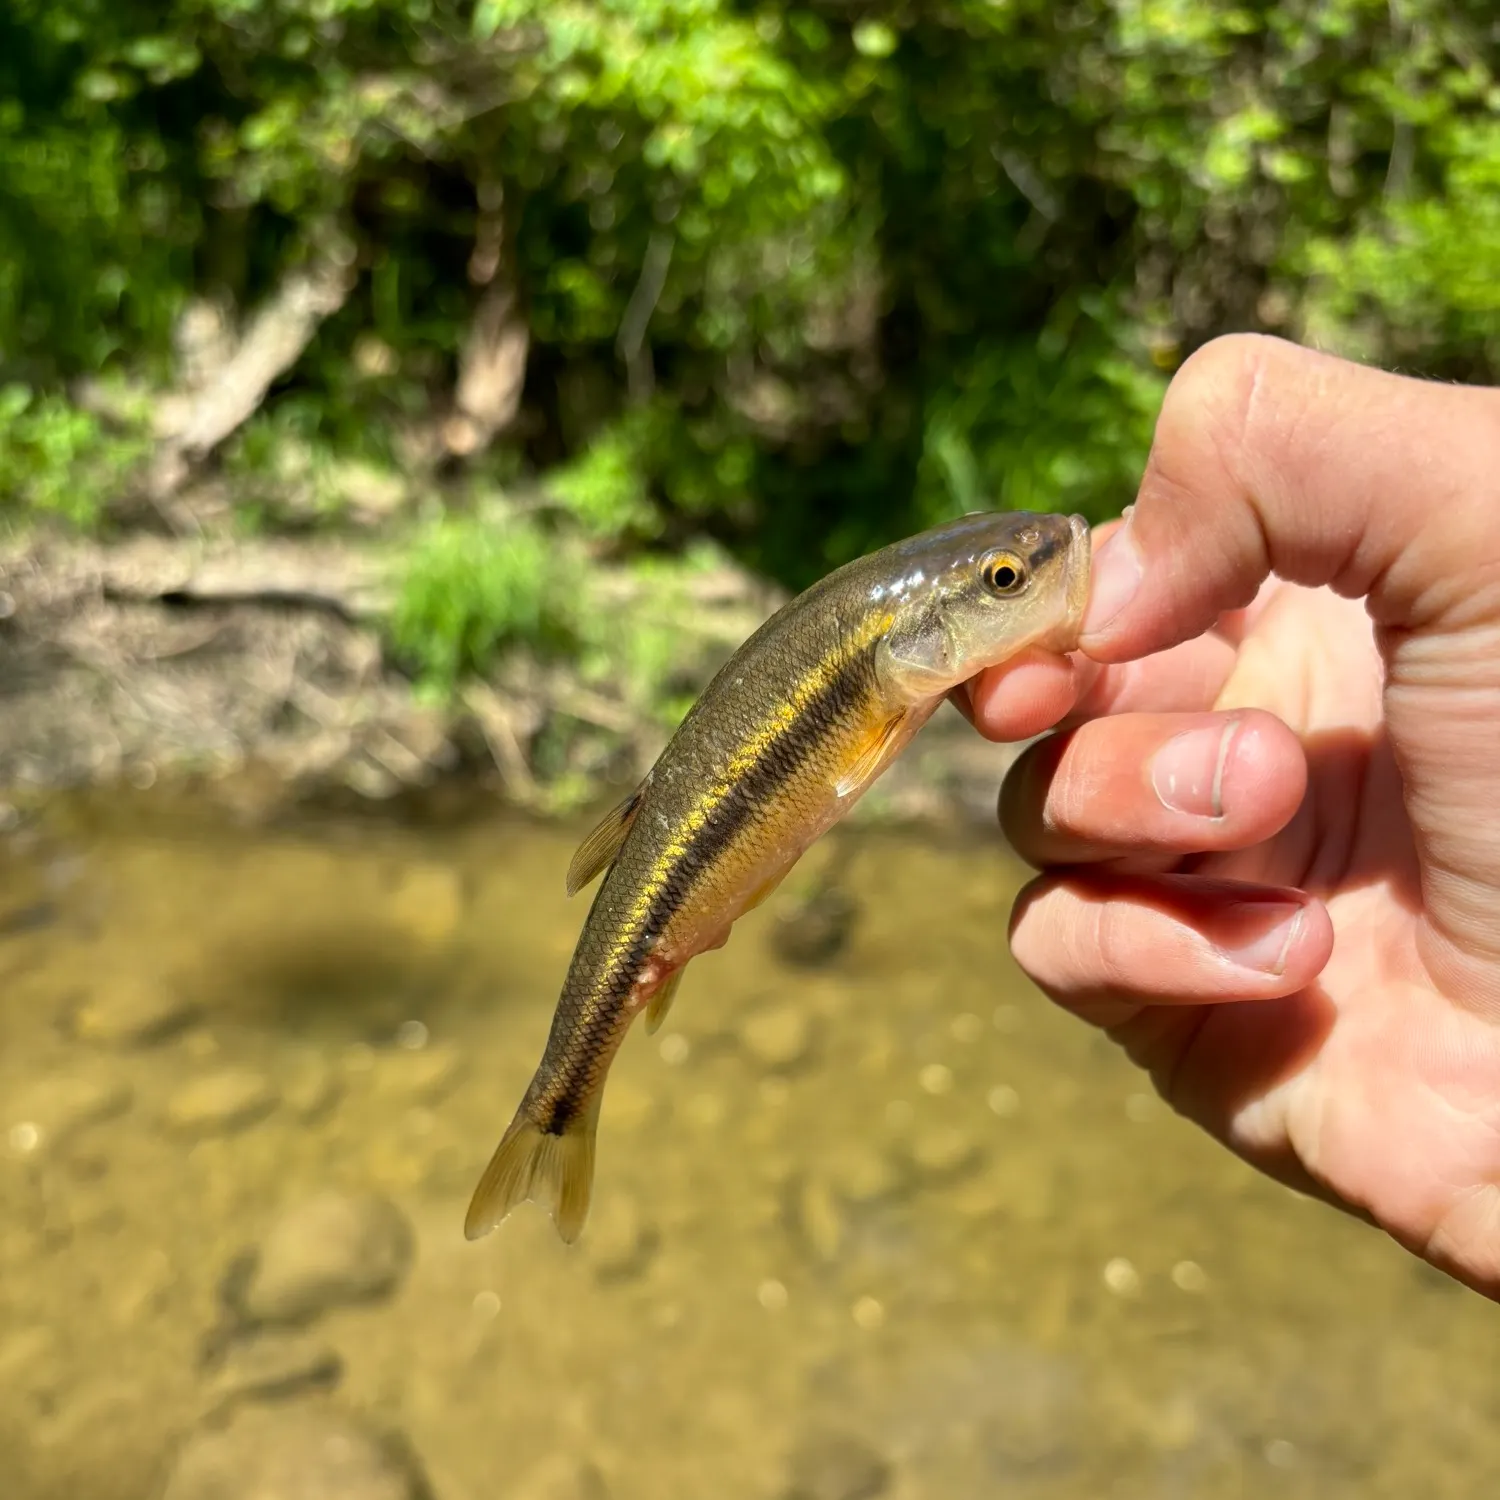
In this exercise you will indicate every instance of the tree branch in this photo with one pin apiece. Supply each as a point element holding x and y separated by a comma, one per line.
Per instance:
<point>274,342</point>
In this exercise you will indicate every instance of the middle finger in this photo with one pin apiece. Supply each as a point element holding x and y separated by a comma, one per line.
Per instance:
<point>1153,784</point>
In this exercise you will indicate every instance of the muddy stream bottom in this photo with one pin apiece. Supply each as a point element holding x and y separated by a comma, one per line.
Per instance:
<point>883,1226</point>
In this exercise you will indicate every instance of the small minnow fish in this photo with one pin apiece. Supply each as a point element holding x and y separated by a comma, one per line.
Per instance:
<point>799,722</point>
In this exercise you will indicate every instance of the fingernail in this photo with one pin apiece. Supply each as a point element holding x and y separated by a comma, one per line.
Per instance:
<point>1187,773</point>
<point>1260,934</point>
<point>1117,576</point>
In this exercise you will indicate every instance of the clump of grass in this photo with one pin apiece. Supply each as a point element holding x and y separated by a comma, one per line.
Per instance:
<point>627,655</point>
<point>60,462</point>
<point>653,650</point>
<point>605,489</point>
<point>470,587</point>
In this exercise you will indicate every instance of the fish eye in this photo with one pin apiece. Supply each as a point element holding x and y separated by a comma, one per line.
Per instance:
<point>1003,573</point>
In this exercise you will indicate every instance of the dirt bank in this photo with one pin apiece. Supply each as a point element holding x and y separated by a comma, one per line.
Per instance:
<point>259,666</point>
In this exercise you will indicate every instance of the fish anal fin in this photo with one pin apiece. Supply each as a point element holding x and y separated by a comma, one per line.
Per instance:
<point>661,1002</point>
<point>555,1170</point>
<point>871,757</point>
<point>602,843</point>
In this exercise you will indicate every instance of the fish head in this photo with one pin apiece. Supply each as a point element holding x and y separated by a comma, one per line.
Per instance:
<point>977,591</point>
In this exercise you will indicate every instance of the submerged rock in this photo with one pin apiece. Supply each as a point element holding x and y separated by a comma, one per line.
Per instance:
<point>132,1012</point>
<point>291,1453</point>
<point>52,1109</point>
<point>142,1290</point>
<point>273,1364</point>
<point>427,903</point>
<point>422,1076</point>
<point>944,1153</point>
<point>32,1365</point>
<point>818,1219</point>
<point>331,1250</point>
<point>861,1174</point>
<point>560,1476</point>
<point>220,1102</point>
<point>31,916</point>
<point>620,1239</point>
<point>309,1085</point>
<point>828,1464</point>
<point>778,1037</point>
<point>816,930</point>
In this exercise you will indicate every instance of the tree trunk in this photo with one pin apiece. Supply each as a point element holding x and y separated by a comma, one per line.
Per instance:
<point>492,366</point>
<point>274,342</point>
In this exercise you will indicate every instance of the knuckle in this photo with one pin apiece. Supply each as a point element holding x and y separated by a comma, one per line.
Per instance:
<point>1066,809</point>
<point>1212,407</point>
<point>1110,943</point>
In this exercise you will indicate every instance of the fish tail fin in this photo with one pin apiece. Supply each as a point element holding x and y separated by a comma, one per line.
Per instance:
<point>553,1169</point>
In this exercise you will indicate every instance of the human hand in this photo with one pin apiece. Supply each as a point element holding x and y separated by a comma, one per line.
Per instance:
<point>1269,828</point>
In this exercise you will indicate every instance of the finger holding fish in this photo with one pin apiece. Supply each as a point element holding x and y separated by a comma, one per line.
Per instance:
<point>1031,695</point>
<point>1032,690</point>
<point>1025,697</point>
<point>1036,691</point>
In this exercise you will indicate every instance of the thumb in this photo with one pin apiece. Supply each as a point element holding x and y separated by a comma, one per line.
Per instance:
<point>1269,458</point>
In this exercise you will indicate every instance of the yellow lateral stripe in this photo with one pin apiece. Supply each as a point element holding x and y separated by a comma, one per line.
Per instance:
<point>781,722</point>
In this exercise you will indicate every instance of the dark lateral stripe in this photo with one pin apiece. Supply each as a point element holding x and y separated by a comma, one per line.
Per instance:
<point>778,763</point>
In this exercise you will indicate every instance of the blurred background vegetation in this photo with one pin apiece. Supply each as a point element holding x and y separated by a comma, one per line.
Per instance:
<point>537,285</point>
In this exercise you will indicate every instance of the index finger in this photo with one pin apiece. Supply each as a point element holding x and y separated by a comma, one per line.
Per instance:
<point>1016,702</point>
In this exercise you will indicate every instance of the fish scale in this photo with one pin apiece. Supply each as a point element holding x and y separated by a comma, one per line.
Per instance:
<point>793,729</point>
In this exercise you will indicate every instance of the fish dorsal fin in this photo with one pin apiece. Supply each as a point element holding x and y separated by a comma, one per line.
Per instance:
<point>597,852</point>
<point>870,758</point>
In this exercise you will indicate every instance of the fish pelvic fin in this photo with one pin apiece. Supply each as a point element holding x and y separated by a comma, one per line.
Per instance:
<point>661,1002</point>
<point>765,891</point>
<point>598,850</point>
<point>553,1169</point>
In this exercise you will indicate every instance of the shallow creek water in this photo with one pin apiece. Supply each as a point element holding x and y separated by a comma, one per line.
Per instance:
<point>890,1226</point>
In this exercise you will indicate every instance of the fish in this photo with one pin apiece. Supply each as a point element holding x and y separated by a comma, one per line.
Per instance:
<point>793,729</point>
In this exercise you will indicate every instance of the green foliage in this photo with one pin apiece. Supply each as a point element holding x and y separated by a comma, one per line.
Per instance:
<point>646,649</point>
<point>95,228</point>
<point>1059,423</point>
<point>472,586</point>
<point>605,489</point>
<point>1430,266</point>
<point>800,274</point>
<point>58,462</point>
<point>289,472</point>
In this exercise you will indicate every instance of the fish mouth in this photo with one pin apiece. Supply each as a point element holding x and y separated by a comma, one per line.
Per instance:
<point>1079,570</point>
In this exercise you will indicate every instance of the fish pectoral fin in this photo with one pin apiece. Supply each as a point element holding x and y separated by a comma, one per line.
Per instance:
<point>598,850</point>
<point>870,758</point>
<point>555,1170</point>
<point>661,1002</point>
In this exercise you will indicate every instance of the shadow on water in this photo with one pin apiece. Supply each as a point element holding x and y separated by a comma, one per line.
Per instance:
<point>325,978</point>
<point>871,1219</point>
